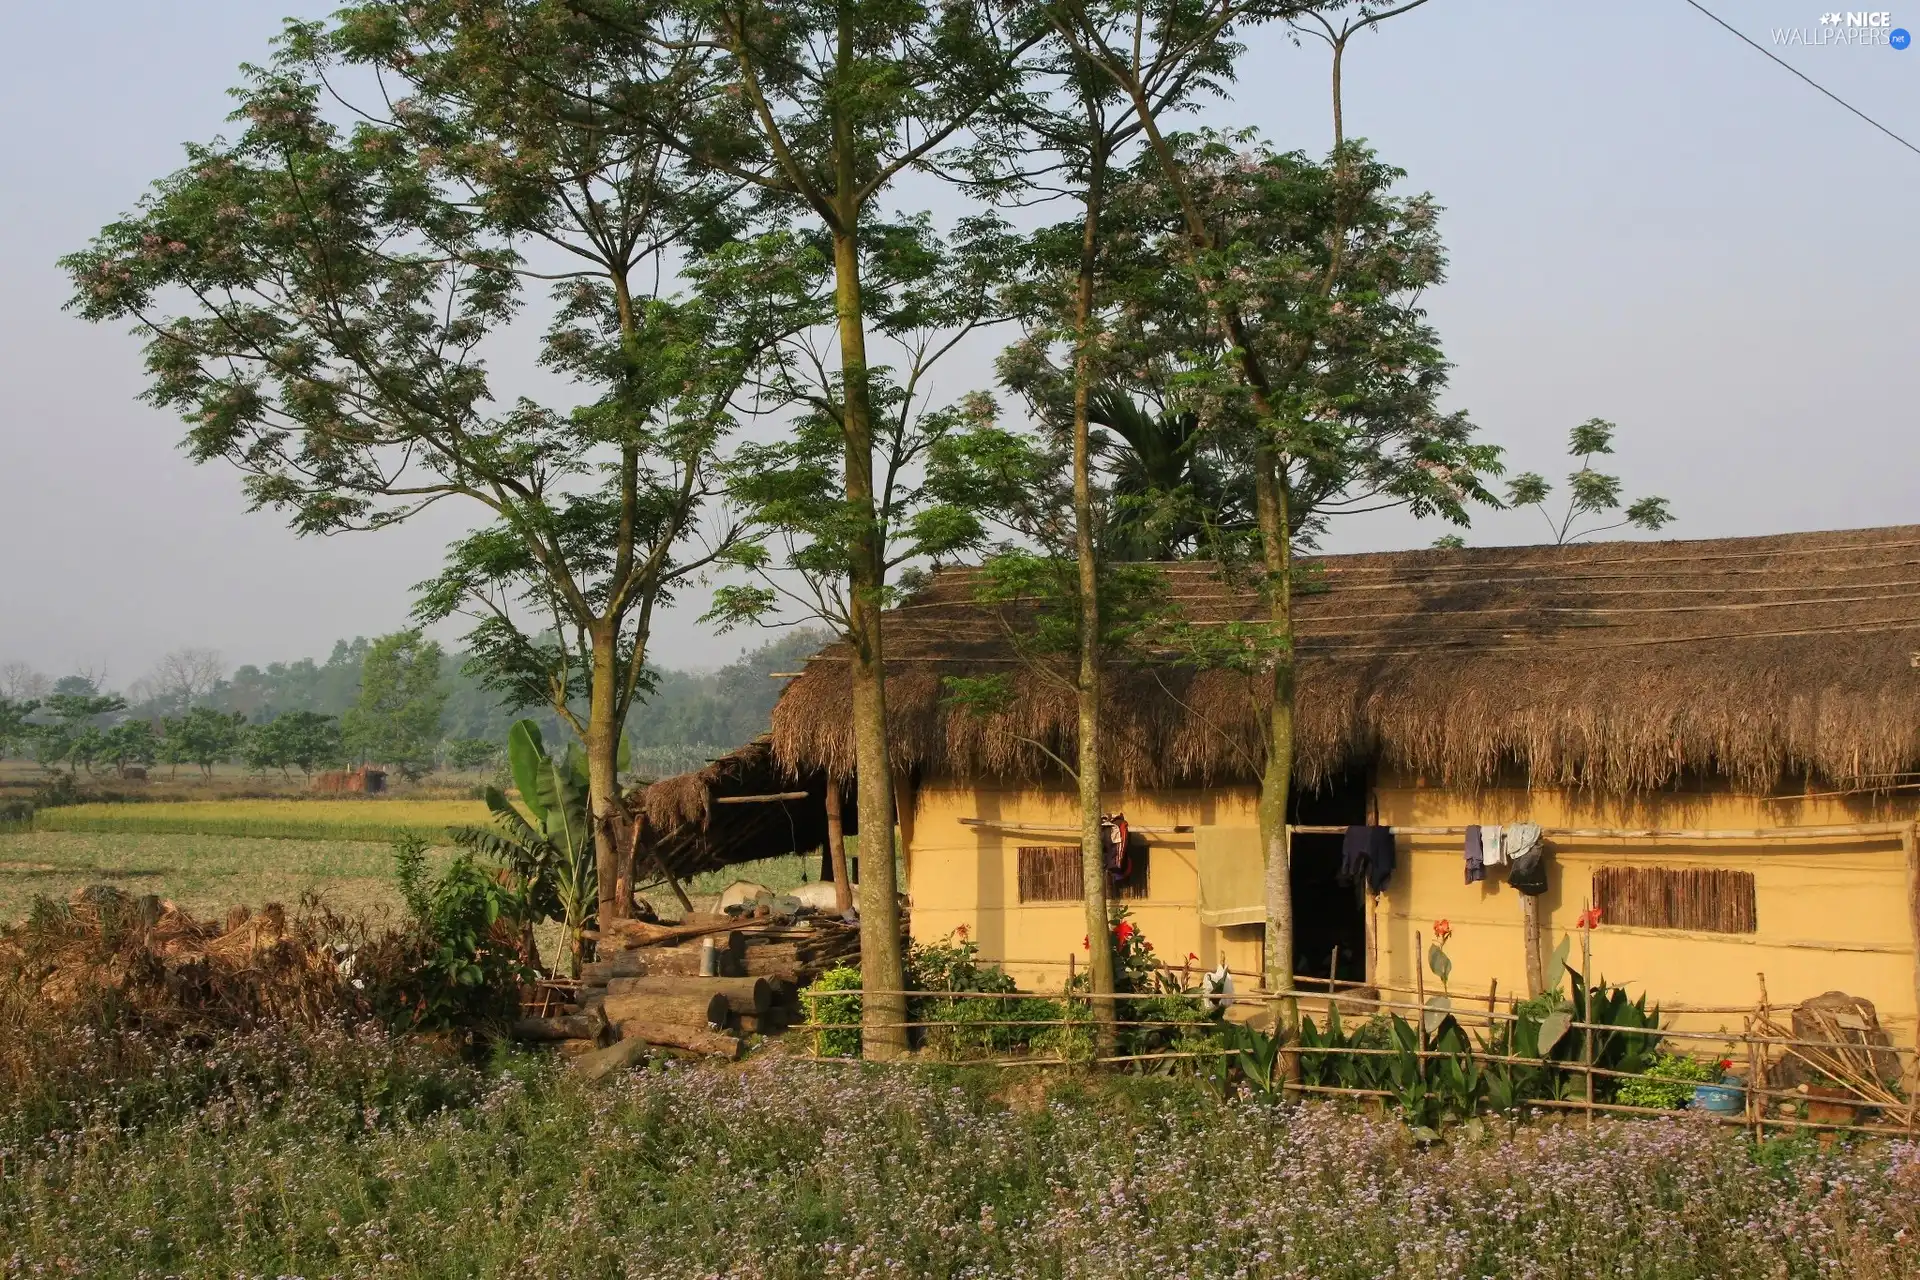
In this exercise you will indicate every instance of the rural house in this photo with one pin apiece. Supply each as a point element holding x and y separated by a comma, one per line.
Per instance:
<point>1718,740</point>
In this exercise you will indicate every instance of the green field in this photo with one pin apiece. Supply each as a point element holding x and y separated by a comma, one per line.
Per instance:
<point>207,873</point>
<point>204,875</point>
<point>267,819</point>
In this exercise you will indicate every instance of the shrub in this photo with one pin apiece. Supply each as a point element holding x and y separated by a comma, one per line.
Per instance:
<point>841,1041</point>
<point>1674,1077</point>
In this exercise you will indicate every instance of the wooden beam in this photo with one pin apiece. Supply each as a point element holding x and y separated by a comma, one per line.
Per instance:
<point>1051,827</point>
<point>766,799</point>
<point>1842,831</point>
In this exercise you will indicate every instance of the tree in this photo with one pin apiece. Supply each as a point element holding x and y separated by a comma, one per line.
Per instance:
<point>130,742</point>
<point>204,737</point>
<point>396,720</point>
<point>75,735</point>
<point>186,676</point>
<point>319,294</point>
<point>19,682</point>
<point>471,753</point>
<point>1589,492</point>
<point>821,106</point>
<point>294,738</point>
<point>1293,288</point>
<point>16,729</point>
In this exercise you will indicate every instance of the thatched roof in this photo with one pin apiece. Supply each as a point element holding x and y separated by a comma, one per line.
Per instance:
<point>693,830</point>
<point>1618,666</point>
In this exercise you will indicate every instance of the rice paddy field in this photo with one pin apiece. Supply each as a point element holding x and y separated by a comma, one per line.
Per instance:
<point>271,819</point>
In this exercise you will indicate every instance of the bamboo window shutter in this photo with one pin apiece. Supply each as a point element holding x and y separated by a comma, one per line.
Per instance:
<point>1708,900</point>
<point>1051,873</point>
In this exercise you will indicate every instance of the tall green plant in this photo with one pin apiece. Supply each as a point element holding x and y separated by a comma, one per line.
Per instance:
<point>550,848</point>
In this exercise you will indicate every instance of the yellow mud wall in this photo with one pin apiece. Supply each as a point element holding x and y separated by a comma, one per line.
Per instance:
<point>961,874</point>
<point>1831,914</point>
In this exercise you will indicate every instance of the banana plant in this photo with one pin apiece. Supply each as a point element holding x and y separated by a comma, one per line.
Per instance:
<point>549,847</point>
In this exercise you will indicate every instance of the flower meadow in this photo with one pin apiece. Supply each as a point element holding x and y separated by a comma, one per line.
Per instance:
<point>393,1161</point>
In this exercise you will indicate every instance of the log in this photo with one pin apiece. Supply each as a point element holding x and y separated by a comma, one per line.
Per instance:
<point>668,1010</point>
<point>762,1024</point>
<point>743,995</point>
<point>578,1026</point>
<point>684,959</point>
<point>714,1044</point>
<point>615,1057</point>
<point>638,933</point>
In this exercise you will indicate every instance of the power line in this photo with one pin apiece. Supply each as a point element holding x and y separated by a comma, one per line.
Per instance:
<point>1796,71</point>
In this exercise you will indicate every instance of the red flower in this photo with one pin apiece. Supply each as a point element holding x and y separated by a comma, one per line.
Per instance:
<point>960,932</point>
<point>1123,931</point>
<point>1442,930</point>
<point>1083,943</point>
<point>1725,1063</point>
<point>1590,918</point>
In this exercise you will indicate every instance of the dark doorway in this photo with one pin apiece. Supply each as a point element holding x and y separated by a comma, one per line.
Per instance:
<point>1327,914</point>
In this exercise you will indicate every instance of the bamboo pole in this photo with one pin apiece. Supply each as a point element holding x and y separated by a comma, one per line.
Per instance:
<point>1586,980</point>
<point>837,848</point>
<point>1373,939</point>
<point>1530,939</point>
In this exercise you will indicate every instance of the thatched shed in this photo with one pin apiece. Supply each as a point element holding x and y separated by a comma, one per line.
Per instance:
<point>741,807</point>
<point>1609,666</point>
<point>1721,740</point>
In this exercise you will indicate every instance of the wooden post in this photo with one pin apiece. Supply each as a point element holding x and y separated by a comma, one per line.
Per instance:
<point>1493,1007</point>
<point>1530,939</point>
<point>1373,940</point>
<point>1333,972</point>
<point>1586,981</point>
<point>1756,1099</point>
<point>1420,989</point>
<point>837,847</point>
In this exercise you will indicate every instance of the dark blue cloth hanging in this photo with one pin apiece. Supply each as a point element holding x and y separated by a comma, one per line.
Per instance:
<point>1476,857</point>
<point>1367,853</point>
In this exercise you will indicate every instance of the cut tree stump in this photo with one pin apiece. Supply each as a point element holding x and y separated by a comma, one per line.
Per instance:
<point>579,1026</point>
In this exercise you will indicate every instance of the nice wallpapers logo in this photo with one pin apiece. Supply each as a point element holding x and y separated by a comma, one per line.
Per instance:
<point>1866,29</point>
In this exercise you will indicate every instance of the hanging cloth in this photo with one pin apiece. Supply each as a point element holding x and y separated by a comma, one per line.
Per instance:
<point>1526,858</point>
<point>1113,836</point>
<point>1367,853</point>
<point>1476,858</point>
<point>1492,854</point>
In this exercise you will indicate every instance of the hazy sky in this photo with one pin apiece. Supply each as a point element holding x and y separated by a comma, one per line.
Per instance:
<point>1647,221</point>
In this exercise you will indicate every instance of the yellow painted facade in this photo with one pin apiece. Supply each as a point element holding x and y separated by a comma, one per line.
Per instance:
<point>1831,913</point>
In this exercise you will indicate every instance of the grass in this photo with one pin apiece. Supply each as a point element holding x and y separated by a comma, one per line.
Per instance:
<point>336,1154</point>
<point>274,819</point>
<point>203,874</point>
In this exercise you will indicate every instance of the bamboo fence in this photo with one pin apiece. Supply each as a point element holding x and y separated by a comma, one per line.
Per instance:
<point>1853,1072</point>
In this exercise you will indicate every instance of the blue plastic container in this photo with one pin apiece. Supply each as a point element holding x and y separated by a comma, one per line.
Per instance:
<point>1725,1098</point>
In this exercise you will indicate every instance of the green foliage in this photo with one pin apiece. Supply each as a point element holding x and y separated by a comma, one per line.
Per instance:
<point>130,742</point>
<point>204,737</point>
<point>467,921</point>
<point>837,1034</point>
<point>1674,1076</point>
<point>549,849</point>
<point>396,719</point>
<point>16,730</point>
<point>470,753</point>
<point>305,739</point>
<point>1590,494</point>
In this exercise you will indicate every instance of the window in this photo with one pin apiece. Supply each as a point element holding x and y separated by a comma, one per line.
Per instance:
<point>1051,873</point>
<point>1700,898</point>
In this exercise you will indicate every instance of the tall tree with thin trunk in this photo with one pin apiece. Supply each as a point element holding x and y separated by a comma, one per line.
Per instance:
<point>319,295</point>
<point>1081,125</point>
<point>1306,280</point>
<point>821,105</point>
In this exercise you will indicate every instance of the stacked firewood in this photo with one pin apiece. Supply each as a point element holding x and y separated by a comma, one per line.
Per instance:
<point>697,987</point>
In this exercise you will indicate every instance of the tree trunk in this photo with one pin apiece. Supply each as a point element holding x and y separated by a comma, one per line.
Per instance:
<point>1276,782</point>
<point>837,847</point>
<point>603,762</point>
<point>1100,960</point>
<point>880,959</point>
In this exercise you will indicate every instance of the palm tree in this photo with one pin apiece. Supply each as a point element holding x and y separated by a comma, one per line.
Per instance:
<point>1172,498</point>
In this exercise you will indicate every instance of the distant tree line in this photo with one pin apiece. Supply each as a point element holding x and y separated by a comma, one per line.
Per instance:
<point>397,700</point>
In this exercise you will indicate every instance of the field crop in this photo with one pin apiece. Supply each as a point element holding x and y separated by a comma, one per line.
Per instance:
<point>356,820</point>
<point>204,875</point>
<point>301,1157</point>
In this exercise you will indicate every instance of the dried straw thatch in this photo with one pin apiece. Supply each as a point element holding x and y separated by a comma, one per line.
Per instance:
<point>1614,666</point>
<point>687,829</point>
